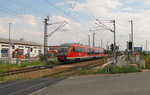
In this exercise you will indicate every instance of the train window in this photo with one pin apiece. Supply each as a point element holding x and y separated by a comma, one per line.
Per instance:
<point>77,49</point>
<point>90,51</point>
<point>93,51</point>
<point>86,50</point>
<point>82,49</point>
<point>73,49</point>
<point>63,49</point>
<point>97,52</point>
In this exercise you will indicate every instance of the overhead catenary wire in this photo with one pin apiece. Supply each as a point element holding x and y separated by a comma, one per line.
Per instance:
<point>59,9</point>
<point>74,9</point>
<point>14,13</point>
<point>30,7</point>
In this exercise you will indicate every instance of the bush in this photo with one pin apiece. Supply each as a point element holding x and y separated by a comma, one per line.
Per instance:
<point>5,67</point>
<point>147,61</point>
<point>114,70</point>
<point>42,57</point>
<point>30,63</point>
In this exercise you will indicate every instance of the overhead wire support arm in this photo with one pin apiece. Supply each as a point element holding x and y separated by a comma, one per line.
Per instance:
<point>60,26</point>
<point>104,26</point>
<point>111,30</point>
<point>46,35</point>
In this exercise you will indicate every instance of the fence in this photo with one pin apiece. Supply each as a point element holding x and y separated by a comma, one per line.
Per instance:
<point>14,60</point>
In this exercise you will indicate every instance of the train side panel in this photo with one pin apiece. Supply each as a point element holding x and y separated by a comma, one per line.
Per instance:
<point>76,52</point>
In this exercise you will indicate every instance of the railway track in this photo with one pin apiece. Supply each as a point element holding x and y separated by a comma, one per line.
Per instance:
<point>55,69</point>
<point>82,65</point>
<point>24,70</point>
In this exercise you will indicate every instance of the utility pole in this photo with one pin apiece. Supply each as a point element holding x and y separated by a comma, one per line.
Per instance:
<point>93,39</point>
<point>45,36</point>
<point>130,38</point>
<point>127,51</point>
<point>89,40</point>
<point>114,24</point>
<point>142,45</point>
<point>9,57</point>
<point>101,43</point>
<point>132,33</point>
<point>146,47</point>
<point>107,46</point>
<point>112,30</point>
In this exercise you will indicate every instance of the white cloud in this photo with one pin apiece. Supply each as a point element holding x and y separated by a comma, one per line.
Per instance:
<point>106,10</point>
<point>147,2</point>
<point>29,26</point>
<point>33,30</point>
<point>128,9</point>
<point>25,27</point>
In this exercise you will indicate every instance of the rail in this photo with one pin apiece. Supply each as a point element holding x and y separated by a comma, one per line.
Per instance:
<point>24,70</point>
<point>82,65</point>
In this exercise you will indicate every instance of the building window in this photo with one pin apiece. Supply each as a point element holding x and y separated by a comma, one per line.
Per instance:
<point>27,47</point>
<point>20,46</point>
<point>4,52</point>
<point>35,47</point>
<point>21,51</point>
<point>5,45</point>
<point>40,52</point>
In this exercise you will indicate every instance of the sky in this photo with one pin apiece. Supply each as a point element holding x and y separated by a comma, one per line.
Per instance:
<point>27,16</point>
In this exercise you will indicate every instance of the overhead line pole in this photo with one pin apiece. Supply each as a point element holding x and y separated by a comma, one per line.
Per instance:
<point>107,46</point>
<point>132,33</point>
<point>101,43</point>
<point>146,46</point>
<point>45,37</point>
<point>114,31</point>
<point>89,40</point>
<point>9,44</point>
<point>114,24</point>
<point>93,39</point>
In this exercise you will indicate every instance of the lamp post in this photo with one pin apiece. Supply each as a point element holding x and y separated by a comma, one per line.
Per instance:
<point>9,44</point>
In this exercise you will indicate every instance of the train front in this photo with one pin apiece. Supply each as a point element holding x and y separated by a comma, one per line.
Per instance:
<point>63,52</point>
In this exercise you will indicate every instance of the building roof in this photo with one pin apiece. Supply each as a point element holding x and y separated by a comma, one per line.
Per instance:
<point>20,42</point>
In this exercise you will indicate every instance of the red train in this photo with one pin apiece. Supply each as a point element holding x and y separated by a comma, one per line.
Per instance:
<point>77,52</point>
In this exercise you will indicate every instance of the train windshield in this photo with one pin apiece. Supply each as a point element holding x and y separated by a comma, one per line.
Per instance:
<point>63,50</point>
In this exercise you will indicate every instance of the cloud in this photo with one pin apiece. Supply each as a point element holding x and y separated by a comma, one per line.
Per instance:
<point>29,26</point>
<point>107,10</point>
<point>128,9</point>
<point>22,26</point>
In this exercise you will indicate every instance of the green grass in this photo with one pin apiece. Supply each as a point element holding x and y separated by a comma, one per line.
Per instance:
<point>115,70</point>
<point>112,70</point>
<point>30,63</point>
<point>147,60</point>
<point>7,67</point>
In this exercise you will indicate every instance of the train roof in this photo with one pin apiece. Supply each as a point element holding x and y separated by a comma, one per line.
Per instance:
<point>70,44</point>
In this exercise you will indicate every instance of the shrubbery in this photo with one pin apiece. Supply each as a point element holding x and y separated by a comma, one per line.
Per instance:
<point>114,70</point>
<point>42,58</point>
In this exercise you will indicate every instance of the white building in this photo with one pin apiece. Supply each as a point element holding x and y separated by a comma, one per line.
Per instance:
<point>25,47</point>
